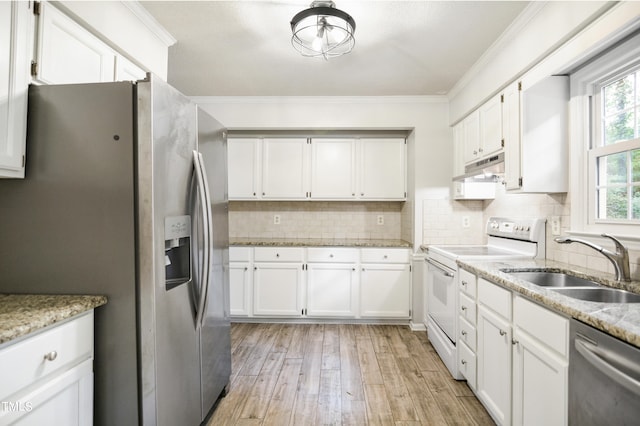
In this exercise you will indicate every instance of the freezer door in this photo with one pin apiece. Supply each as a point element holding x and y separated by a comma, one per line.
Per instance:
<point>215,336</point>
<point>169,355</point>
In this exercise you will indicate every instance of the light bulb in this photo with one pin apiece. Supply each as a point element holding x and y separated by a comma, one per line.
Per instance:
<point>316,44</point>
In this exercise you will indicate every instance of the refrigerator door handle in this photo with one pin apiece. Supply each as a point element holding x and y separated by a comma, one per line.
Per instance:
<point>204,272</point>
<point>209,230</point>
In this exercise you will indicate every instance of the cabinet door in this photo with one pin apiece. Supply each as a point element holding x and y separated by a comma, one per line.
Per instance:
<point>14,83</point>
<point>383,169</point>
<point>243,158</point>
<point>240,288</point>
<point>490,127</point>
<point>285,169</point>
<point>68,53</point>
<point>332,290</point>
<point>540,384</point>
<point>277,289</point>
<point>385,291</point>
<point>511,133</point>
<point>333,168</point>
<point>494,364</point>
<point>458,149</point>
<point>471,126</point>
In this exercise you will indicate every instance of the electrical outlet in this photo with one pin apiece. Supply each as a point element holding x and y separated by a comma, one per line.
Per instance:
<point>466,222</point>
<point>555,225</point>
<point>380,219</point>
<point>276,219</point>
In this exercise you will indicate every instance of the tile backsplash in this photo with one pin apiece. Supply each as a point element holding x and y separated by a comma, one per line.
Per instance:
<point>443,224</point>
<point>317,219</point>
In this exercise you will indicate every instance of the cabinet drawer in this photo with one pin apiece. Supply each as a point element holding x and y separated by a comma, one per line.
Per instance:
<point>279,254</point>
<point>467,364</point>
<point>467,333</point>
<point>239,254</point>
<point>384,255</point>
<point>546,326</point>
<point>24,362</point>
<point>467,308</point>
<point>494,297</point>
<point>467,282</point>
<point>332,254</point>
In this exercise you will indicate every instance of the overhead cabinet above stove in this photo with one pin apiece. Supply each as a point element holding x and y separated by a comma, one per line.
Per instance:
<point>299,168</point>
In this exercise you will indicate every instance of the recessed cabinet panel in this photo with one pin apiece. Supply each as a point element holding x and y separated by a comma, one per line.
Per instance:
<point>14,83</point>
<point>277,289</point>
<point>383,169</point>
<point>471,126</point>
<point>490,127</point>
<point>67,53</point>
<point>333,168</point>
<point>243,156</point>
<point>240,288</point>
<point>385,291</point>
<point>332,290</point>
<point>285,169</point>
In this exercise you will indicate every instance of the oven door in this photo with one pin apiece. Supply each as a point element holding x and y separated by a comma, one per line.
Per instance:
<point>441,297</point>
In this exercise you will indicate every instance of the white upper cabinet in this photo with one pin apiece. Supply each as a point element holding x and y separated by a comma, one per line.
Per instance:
<point>333,168</point>
<point>14,82</point>
<point>383,169</point>
<point>243,156</point>
<point>471,137</point>
<point>285,169</point>
<point>536,142</point>
<point>68,53</point>
<point>297,168</point>
<point>128,71</point>
<point>491,127</point>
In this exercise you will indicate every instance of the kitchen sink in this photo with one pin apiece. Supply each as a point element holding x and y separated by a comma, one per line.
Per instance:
<point>553,279</point>
<point>576,287</point>
<point>605,295</point>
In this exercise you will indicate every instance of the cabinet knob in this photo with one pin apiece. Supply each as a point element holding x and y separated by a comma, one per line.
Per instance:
<point>479,149</point>
<point>51,356</point>
<point>331,255</point>
<point>362,194</point>
<point>255,268</point>
<point>463,362</point>
<point>385,256</point>
<point>263,194</point>
<point>474,153</point>
<point>464,283</point>
<point>277,254</point>
<point>464,333</point>
<point>464,308</point>
<point>246,268</point>
<point>502,332</point>
<point>514,342</point>
<point>353,194</point>
<point>254,194</point>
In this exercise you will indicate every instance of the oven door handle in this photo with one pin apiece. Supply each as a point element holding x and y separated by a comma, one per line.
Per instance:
<point>597,357</point>
<point>441,268</point>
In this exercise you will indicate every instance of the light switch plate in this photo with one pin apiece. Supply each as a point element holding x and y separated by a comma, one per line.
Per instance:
<point>555,225</point>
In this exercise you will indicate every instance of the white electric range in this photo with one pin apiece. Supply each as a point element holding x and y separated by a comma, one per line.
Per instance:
<point>506,239</point>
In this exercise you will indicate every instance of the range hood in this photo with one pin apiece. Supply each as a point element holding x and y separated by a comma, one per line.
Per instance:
<point>485,170</point>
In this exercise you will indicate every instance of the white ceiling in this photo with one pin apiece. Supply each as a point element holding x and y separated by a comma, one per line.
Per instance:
<point>243,48</point>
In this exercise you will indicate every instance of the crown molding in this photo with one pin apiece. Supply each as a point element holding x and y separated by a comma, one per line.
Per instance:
<point>320,99</point>
<point>150,22</point>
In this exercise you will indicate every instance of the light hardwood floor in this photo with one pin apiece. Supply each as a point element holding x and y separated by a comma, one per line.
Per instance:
<point>333,374</point>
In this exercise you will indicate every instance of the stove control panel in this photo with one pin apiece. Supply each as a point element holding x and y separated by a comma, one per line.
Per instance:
<point>518,229</point>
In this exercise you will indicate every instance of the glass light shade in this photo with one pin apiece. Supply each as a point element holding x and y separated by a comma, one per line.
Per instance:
<point>322,31</point>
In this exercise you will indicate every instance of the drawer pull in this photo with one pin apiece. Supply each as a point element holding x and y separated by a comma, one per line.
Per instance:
<point>385,256</point>
<point>502,332</point>
<point>331,255</point>
<point>51,356</point>
<point>277,254</point>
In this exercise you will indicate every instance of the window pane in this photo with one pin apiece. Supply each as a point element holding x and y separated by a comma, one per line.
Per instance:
<point>635,202</point>
<point>616,203</point>
<point>619,128</point>
<point>635,165</point>
<point>619,95</point>
<point>612,169</point>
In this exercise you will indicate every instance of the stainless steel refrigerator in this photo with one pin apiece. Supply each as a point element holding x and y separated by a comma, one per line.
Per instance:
<point>125,195</point>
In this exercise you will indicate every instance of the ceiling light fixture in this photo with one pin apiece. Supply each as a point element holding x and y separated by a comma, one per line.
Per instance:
<point>323,31</point>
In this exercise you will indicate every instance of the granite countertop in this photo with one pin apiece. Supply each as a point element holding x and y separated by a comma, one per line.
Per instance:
<point>318,242</point>
<point>21,314</point>
<point>621,320</point>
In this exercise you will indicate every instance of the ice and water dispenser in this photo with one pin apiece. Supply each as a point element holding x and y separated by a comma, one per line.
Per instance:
<point>177,250</point>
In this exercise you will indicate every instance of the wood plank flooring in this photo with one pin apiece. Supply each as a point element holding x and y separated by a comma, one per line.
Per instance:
<point>341,374</point>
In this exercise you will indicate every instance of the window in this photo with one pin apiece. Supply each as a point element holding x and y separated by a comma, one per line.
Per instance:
<point>605,142</point>
<point>614,158</point>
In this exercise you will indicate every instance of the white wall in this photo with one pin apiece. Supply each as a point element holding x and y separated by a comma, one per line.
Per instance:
<point>430,142</point>
<point>128,28</point>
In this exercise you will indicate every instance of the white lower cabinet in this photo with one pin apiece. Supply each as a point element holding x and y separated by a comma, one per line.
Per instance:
<point>521,360</point>
<point>50,380</point>
<point>319,282</point>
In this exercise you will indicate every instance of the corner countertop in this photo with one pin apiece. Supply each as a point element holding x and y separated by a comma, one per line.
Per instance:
<point>621,320</point>
<point>318,242</point>
<point>21,314</point>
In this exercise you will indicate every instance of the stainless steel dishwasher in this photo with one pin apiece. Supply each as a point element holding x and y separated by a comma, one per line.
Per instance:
<point>604,378</point>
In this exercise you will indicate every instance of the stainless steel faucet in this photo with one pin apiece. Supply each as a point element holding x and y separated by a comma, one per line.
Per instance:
<point>620,258</point>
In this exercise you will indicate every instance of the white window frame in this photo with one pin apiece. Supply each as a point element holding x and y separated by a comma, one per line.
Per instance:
<point>585,84</point>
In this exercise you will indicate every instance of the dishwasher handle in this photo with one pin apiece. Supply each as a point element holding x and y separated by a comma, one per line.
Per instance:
<point>597,357</point>
<point>445,272</point>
